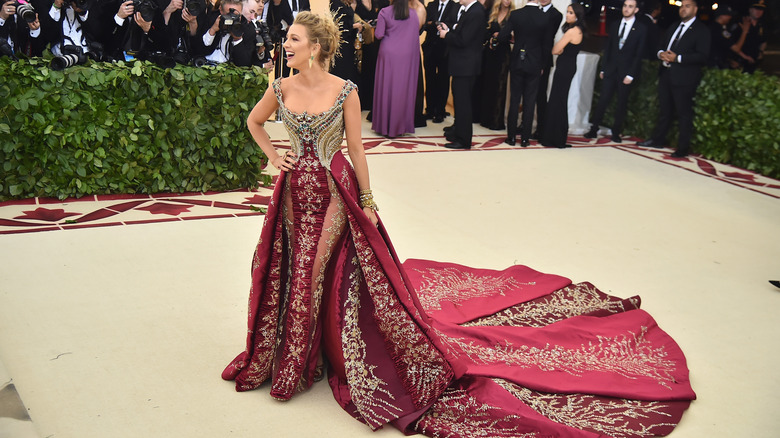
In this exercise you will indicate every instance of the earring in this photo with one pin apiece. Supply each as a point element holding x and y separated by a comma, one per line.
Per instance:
<point>311,60</point>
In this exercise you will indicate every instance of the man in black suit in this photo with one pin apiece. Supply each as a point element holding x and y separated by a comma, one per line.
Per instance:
<point>281,14</point>
<point>684,50</point>
<point>620,66</point>
<point>651,11</point>
<point>18,35</point>
<point>554,17</point>
<point>529,26</point>
<point>437,77</point>
<point>464,42</point>
<point>219,44</point>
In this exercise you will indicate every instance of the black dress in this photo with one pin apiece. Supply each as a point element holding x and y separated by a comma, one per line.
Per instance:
<point>495,75</point>
<point>344,64</point>
<point>556,126</point>
<point>370,53</point>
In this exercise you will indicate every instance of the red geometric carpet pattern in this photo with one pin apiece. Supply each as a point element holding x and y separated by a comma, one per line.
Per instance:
<point>46,214</point>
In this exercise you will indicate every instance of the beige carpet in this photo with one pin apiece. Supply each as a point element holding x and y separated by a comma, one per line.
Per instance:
<point>122,331</point>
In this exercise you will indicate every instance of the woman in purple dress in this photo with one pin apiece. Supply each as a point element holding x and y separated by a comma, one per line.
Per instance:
<point>397,67</point>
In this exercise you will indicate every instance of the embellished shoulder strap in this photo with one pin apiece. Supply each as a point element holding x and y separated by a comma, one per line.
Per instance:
<point>345,90</point>
<point>277,87</point>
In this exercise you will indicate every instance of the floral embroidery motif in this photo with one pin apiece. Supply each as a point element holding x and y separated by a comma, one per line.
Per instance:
<point>365,387</point>
<point>614,417</point>
<point>424,370</point>
<point>574,300</point>
<point>449,284</point>
<point>457,414</point>
<point>630,355</point>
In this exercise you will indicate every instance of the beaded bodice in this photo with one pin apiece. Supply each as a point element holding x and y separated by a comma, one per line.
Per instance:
<point>322,133</point>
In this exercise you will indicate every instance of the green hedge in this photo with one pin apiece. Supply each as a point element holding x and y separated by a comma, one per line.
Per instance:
<point>126,128</point>
<point>737,117</point>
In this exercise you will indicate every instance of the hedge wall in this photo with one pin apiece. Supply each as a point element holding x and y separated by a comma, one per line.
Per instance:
<point>737,117</point>
<point>126,128</point>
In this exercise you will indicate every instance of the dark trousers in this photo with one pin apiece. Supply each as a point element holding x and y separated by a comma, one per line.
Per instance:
<point>680,99</point>
<point>541,99</point>
<point>609,86</point>
<point>522,85</point>
<point>437,81</point>
<point>461,100</point>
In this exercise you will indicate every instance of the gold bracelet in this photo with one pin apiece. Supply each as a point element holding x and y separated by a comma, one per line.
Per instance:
<point>367,200</point>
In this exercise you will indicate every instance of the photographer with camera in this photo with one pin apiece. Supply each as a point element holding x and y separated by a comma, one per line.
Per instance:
<point>228,39</point>
<point>20,29</point>
<point>74,24</point>
<point>132,29</point>
<point>181,23</point>
<point>264,41</point>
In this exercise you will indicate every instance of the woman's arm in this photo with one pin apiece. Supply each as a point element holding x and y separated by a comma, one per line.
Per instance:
<point>260,113</point>
<point>355,147</point>
<point>567,38</point>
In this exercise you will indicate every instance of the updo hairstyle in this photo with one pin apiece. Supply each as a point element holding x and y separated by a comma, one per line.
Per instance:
<point>322,29</point>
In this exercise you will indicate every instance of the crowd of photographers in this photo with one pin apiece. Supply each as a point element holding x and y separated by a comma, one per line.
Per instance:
<point>167,32</point>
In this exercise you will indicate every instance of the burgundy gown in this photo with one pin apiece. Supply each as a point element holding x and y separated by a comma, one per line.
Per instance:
<point>397,69</point>
<point>438,348</point>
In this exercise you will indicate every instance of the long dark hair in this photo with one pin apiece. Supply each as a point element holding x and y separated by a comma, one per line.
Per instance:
<point>400,9</point>
<point>579,13</point>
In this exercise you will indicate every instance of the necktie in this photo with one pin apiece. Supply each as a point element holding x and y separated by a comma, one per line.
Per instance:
<point>441,8</point>
<point>294,5</point>
<point>620,36</point>
<point>461,11</point>
<point>676,37</point>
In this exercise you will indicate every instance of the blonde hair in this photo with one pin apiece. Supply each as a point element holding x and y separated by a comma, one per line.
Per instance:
<point>321,29</point>
<point>497,8</point>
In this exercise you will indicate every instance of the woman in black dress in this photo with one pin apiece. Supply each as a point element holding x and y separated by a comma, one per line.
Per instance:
<point>344,63</point>
<point>495,69</point>
<point>556,127</point>
<point>368,10</point>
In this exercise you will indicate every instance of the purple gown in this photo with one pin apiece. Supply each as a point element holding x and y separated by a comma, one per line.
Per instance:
<point>397,67</point>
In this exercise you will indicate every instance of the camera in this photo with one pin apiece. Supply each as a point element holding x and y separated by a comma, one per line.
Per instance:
<point>25,11</point>
<point>71,55</point>
<point>146,8</point>
<point>263,36</point>
<point>82,5</point>
<point>231,22</point>
<point>195,7</point>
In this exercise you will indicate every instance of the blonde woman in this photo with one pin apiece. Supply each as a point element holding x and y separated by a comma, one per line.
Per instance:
<point>328,289</point>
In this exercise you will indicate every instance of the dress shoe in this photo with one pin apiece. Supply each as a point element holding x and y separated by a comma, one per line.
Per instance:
<point>450,136</point>
<point>449,128</point>
<point>510,141</point>
<point>525,142</point>
<point>775,283</point>
<point>438,119</point>
<point>593,133</point>
<point>649,143</point>
<point>678,154</point>
<point>616,138</point>
<point>456,145</point>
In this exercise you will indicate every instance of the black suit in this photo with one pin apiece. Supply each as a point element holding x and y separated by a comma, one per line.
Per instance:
<point>678,81</point>
<point>554,21</point>
<point>129,37</point>
<point>464,41</point>
<point>17,30</point>
<point>435,59</point>
<point>653,35</point>
<point>616,64</point>
<point>239,54</point>
<point>283,13</point>
<point>529,25</point>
